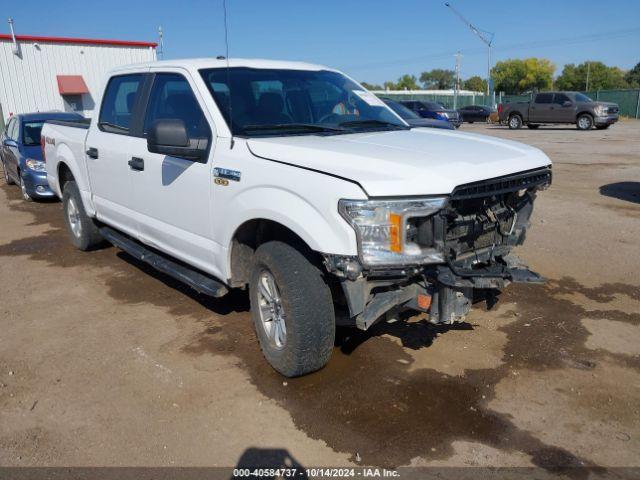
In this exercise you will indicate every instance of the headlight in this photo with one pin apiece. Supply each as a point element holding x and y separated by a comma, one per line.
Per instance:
<point>600,109</point>
<point>383,229</point>
<point>36,165</point>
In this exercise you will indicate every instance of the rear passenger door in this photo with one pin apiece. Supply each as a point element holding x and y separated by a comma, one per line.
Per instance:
<point>542,108</point>
<point>107,148</point>
<point>173,195</point>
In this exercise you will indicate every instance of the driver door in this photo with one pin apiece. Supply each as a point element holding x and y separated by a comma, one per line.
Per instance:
<point>173,195</point>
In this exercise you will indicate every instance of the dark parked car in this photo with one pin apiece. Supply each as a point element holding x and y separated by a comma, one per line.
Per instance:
<point>475,113</point>
<point>21,153</point>
<point>433,110</point>
<point>415,120</point>
<point>560,107</point>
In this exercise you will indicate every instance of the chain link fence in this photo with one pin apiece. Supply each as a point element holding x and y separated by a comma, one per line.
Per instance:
<point>628,100</point>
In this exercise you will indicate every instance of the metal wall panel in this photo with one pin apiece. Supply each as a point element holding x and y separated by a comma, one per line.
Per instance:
<point>28,81</point>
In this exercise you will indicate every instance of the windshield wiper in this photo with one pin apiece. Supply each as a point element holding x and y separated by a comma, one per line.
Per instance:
<point>309,127</point>
<point>114,126</point>
<point>373,123</point>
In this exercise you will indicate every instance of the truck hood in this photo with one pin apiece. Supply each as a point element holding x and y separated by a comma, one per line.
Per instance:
<point>406,162</point>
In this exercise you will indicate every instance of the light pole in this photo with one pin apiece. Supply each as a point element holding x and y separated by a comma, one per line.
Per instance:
<point>457,84</point>
<point>484,36</point>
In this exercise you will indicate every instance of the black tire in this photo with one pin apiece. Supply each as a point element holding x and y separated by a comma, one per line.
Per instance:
<point>532,126</point>
<point>515,122</point>
<point>602,127</point>
<point>82,228</point>
<point>7,177</point>
<point>305,299</point>
<point>584,122</point>
<point>23,189</point>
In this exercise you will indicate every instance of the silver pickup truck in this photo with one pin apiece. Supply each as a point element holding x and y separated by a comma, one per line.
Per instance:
<point>560,107</point>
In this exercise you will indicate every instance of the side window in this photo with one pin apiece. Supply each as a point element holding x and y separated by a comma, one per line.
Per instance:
<point>560,98</point>
<point>172,98</point>
<point>118,102</point>
<point>13,132</point>
<point>544,98</point>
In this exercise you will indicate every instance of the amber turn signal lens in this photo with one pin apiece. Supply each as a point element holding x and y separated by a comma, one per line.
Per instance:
<point>395,233</point>
<point>424,301</point>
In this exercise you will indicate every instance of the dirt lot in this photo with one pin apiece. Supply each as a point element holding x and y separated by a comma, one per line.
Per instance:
<point>103,362</point>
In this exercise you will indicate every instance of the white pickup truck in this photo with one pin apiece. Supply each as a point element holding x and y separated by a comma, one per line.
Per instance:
<point>293,180</point>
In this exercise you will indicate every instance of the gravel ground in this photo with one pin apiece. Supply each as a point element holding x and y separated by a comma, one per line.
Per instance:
<point>104,362</point>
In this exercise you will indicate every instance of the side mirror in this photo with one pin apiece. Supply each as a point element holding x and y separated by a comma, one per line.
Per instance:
<point>8,142</point>
<point>567,103</point>
<point>170,137</point>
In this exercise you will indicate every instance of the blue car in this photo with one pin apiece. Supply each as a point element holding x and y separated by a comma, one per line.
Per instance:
<point>21,153</point>
<point>415,120</point>
<point>434,110</point>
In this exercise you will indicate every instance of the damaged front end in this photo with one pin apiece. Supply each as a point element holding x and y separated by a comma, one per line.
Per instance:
<point>464,249</point>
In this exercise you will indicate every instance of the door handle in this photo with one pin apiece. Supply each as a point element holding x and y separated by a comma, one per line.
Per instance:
<point>92,152</point>
<point>136,163</point>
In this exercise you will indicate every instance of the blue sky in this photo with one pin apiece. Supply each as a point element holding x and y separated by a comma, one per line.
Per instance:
<point>371,40</point>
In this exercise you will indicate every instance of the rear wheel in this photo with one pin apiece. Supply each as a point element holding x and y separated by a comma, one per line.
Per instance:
<point>292,310</point>
<point>82,229</point>
<point>515,122</point>
<point>585,122</point>
<point>7,178</point>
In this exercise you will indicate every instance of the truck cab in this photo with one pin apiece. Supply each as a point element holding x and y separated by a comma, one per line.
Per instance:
<point>293,181</point>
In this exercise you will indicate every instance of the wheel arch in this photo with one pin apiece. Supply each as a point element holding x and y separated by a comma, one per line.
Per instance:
<point>252,233</point>
<point>584,112</point>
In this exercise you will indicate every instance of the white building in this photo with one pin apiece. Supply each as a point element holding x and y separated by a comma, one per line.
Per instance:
<point>54,73</point>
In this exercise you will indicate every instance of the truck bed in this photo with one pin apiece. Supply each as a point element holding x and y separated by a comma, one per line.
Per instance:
<point>83,123</point>
<point>65,140</point>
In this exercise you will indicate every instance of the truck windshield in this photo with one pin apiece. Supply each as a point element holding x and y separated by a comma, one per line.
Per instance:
<point>582,98</point>
<point>272,102</point>
<point>31,133</point>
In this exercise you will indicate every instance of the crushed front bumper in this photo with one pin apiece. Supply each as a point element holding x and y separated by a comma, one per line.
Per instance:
<point>443,291</point>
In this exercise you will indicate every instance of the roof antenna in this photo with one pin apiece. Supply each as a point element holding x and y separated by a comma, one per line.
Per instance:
<point>226,43</point>
<point>160,51</point>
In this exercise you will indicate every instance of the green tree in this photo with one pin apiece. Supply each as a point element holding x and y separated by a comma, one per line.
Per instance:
<point>407,82</point>
<point>601,77</point>
<point>633,76</point>
<point>475,84</point>
<point>371,86</point>
<point>438,79</point>
<point>389,85</point>
<point>517,76</point>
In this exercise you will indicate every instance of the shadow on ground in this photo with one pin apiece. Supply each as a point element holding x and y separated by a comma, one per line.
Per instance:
<point>628,191</point>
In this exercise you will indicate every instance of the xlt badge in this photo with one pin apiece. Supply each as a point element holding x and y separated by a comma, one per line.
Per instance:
<point>226,173</point>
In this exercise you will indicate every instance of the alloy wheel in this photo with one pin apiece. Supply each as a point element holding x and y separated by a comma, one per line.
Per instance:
<point>272,314</point>
<point>73,215</point>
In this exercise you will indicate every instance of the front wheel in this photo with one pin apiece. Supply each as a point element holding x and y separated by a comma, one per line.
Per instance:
<point>585,122</point>
<point>292,310</point>
<point>515,122</point>
<point>82,229</point>
<point>23,189</point>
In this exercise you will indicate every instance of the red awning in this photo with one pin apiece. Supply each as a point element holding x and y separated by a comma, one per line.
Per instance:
<point>71,85</point>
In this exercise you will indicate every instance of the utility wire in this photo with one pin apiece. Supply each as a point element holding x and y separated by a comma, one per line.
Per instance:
<point>504,48</point>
